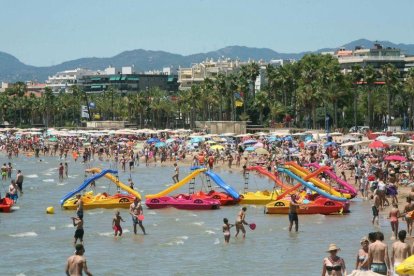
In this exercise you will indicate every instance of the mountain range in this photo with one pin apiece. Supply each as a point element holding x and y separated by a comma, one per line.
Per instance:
<point>12,69</point>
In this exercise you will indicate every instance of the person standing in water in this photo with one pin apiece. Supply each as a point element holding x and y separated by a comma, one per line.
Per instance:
<point>393,216</point>
<point>378,258</point>
<point>61,170</point>
<point>135,209</point>
<point>240,222</point>
<point>79,206</point>
<point>77,262</point>
<point>176,173</point>
<point>226,230</point>
<point>19,181</point>
<point>408,219</point>
<point>66,169</point>
<point>116,224</point>
<point>78,223</point>
<point>293,213</point>
<point>400,250</point>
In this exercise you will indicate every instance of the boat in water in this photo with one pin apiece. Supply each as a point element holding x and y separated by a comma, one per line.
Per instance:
<point>101,200</point>
<point>320,205</point>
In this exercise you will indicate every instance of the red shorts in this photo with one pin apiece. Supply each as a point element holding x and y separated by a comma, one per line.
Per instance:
<point>117,228</point>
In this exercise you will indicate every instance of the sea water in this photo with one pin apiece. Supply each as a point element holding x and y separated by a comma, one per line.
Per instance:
<point>179,242</point>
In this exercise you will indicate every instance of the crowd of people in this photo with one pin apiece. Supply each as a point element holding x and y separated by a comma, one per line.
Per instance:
<point>381,180</point>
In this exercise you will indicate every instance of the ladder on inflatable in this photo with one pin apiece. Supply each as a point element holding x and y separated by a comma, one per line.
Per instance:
<point>191,186</point>
<point>246,181</point>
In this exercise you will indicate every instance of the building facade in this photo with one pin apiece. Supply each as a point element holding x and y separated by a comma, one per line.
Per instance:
<point>128,83</point>
<point>62,81</point>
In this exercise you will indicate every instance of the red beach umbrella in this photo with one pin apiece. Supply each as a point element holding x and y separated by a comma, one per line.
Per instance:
<point>395,158</point>
<point>377,145</point>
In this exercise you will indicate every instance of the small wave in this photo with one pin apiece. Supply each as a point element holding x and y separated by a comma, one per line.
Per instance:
<point>25,234</point>
<point>106,234</point>
<point>103,187</point>
<point>15,207</point>
<point>198,223</point>
<point>48,174</point>
<point>192,215</point>
<point>52,227</point>
<point>183,238</point>
<point>216,241</point>
<point>21,274</point>
<point>32,176</point>
<point>61,184</point>
<point>48,180</point>
<point>126,231</point>
<point>94,213</point>
<point>155,225</point>
<point>210,232</point>
<point>179,242</point>
<point>69,226</point>
<point>177,219</point>
<point>151,213</point>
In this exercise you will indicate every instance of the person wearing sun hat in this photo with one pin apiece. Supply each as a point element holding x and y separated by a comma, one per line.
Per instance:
<point>362,256</point>
<point>333,265</point>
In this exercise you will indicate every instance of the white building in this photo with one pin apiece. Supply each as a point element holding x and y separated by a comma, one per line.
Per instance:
<point>61,81</point>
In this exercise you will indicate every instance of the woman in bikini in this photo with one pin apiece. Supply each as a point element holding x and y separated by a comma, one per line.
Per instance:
<point>226,230</point>
<point>393,217</point>
<point>362,256</point>
<point>333,265</point>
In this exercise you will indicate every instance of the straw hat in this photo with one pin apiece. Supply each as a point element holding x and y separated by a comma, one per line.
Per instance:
<point>332,247</point>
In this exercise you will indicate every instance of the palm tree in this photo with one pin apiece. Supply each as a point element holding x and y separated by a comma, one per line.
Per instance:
<point>370,76</point>
<point>390,75</point>
<point>356,76</point>
<point>409,90</point>
<point>261,102</point>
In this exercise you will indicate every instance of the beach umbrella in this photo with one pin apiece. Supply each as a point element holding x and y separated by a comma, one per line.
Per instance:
<point>258,145</point>
<point>197,139</point>
<point>261,151</point>
<point>211,142</point>
<point>169,141</point>
<point>217,147</point>
<point>329,144</point>
<point>53,139</point>
<point>153,140</point>
<point>249,142</point>
<point>249,149</point>
<point>160,145</point>
<point>395,158</point>
<point>377,145</point>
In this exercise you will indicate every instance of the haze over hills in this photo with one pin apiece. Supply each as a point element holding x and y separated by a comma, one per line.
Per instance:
<point>12,70</point>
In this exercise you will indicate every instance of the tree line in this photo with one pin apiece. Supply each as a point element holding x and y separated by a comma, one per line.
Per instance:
<point>301,94</point>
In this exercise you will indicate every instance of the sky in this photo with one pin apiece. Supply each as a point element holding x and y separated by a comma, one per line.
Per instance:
<point>48,32</point>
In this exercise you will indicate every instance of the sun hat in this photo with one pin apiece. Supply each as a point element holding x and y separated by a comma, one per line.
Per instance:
<point>332,247</point>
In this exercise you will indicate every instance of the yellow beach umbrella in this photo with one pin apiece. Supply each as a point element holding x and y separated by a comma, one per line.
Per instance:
<point>261,151</point>
<point>215,147</point>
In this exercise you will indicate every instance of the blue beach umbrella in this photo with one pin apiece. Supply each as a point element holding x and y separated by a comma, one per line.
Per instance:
<point>249,142</point>
<point>153,140</point>
<point>249,149</point>
<point>160,145</point>
<point>197,139</point>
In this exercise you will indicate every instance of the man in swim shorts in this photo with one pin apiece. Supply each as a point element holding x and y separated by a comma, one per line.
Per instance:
<point>19,180</point>
<point>176,173</point>
<point>240,222</point>
<point>77,262</point>
<point>78,223</point>
<point>79,204</point>
<point>135,209</point>
<point>293,213</point>
<point>376,202</point>
<point>378,259</point>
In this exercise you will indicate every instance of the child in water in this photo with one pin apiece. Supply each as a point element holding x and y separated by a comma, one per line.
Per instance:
<point>226,230</point>
<point>116,224</point>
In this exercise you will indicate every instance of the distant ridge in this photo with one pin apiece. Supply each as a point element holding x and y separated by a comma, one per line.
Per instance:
<point>12,69</point>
